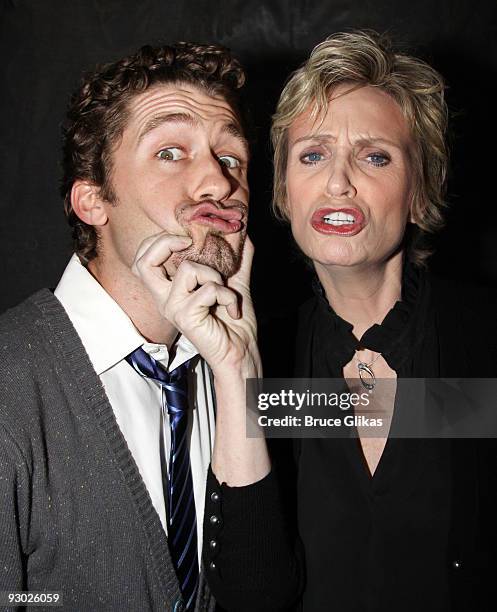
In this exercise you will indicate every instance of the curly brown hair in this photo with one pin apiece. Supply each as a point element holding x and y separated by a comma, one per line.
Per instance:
<point>98,110</point>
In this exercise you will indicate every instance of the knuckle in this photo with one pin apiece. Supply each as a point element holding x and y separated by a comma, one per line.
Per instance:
<point>144,246</point>
<point>214,288</point>
<point>208,289</point>
<point>231,295</point>
<point>186,267</point>
<point>142,256</point>
<point>138,266</point>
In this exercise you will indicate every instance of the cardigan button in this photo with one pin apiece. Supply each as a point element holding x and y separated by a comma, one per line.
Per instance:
<point>213,544</point>
<point>214,519</point>
<point>212,566</point>
<point>456,564</point>
<point>215,496</point>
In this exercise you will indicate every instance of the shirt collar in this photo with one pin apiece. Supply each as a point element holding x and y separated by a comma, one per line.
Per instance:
<point>106,331</point>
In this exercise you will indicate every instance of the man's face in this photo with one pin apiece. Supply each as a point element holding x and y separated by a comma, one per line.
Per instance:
<point>180,167</point>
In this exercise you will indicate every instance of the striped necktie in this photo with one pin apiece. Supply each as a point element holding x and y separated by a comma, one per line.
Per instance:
<point>181,516</point>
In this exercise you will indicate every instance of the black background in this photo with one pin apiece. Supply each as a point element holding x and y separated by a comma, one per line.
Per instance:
<point>45,46</point>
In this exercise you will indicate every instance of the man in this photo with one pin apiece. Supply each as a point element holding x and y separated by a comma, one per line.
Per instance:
<point>107,413</point>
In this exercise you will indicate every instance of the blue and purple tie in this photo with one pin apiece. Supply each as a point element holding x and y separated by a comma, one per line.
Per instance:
<point>180,502</point>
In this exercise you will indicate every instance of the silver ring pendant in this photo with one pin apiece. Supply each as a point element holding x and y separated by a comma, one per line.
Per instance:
<point>366,375</point>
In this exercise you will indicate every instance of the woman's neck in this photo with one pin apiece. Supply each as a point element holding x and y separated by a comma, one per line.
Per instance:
<point>362,295</point>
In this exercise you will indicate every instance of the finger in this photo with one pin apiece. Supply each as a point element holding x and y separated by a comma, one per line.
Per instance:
<point>213,294</point>
<point>154,252</point>
<point>242,276</point>
<point>171,268</point>
<point>191,274</point>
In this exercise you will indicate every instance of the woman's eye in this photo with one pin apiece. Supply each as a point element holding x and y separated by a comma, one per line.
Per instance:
<point>170,154</point>
<point>311,158</point>
<point>229,161</point>
<point>378,159</point>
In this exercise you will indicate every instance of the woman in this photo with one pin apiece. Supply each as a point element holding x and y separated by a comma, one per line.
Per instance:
<point>383,524</point>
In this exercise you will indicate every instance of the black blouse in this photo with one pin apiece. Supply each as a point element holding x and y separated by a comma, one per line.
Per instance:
<point>366,538</point>
<point>417,535</point>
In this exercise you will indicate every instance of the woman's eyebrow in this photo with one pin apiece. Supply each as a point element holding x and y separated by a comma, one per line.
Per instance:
<point>313,137</point>
<point>373,140</point>
<point>362,140</point>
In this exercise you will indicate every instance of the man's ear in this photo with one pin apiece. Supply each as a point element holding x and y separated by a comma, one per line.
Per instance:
<point>87,203</point>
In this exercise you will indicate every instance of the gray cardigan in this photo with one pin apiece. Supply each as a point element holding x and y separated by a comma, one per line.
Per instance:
<point>75,515</point>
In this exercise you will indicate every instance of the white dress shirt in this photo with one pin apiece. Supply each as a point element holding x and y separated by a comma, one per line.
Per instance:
<point>108,336</point>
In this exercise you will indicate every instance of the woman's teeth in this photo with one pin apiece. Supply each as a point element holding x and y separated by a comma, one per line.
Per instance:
<point>338,218</point>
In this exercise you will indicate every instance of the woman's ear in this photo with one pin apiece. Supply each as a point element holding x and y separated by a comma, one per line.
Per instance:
<point>87,203</point>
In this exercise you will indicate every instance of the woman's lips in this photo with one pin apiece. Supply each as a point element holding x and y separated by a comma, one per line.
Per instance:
<point>225,220</point>
<point>341,221</point>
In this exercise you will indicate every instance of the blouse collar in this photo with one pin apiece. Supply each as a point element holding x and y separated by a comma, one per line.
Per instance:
<point>395,338</point>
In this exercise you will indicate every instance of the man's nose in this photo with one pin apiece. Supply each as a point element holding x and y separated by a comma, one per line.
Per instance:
<point>340,181</point>
<point>212,181</point>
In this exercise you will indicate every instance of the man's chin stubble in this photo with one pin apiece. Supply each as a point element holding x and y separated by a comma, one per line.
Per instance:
<point>215,252</point>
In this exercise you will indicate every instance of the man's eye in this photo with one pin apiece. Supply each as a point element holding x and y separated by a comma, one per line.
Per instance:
<point>378,159</point>
<point>311,158</point>
<point>229,161</point>
<point>170,154</point>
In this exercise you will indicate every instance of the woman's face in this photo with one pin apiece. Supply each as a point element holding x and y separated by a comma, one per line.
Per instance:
<point>349,179</point>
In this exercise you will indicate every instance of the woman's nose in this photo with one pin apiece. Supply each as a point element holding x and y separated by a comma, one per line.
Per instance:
<point>340,183</point>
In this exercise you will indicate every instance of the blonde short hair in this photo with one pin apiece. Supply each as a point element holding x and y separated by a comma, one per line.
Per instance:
<point>367,58</point>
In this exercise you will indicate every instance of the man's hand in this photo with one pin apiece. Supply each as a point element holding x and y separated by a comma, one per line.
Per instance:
<point>217,318</point>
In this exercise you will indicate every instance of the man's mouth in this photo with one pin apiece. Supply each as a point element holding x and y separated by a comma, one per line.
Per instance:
<point>342,221</point>
<point>225,220</point>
